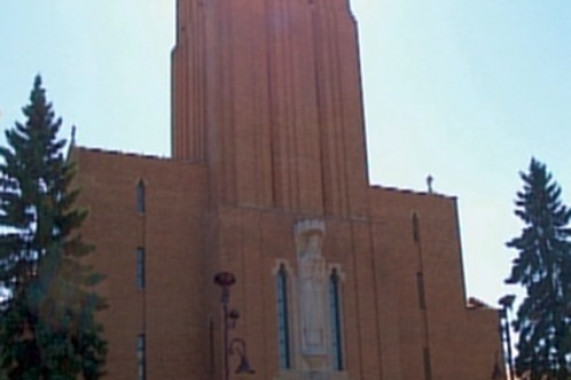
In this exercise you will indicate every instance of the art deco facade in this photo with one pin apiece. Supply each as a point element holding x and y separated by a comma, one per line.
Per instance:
<point>336,279</point>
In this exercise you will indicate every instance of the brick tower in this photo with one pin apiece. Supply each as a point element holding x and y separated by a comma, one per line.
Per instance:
<point>268,94</point>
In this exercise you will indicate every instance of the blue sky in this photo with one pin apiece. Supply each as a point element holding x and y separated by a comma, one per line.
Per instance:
<point>466,91</point>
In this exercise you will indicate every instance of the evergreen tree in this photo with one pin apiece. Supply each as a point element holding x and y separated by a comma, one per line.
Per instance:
<point>543,268</point>
<point>48,304</point>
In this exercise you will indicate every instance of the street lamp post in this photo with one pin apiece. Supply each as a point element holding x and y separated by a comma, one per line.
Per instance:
<point>229,319</point>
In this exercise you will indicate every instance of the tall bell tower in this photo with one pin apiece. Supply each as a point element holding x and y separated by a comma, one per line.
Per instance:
<point>267,94</point>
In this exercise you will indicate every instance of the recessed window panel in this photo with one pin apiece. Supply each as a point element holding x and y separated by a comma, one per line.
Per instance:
<point>335,322</point>
<point>283,318</point>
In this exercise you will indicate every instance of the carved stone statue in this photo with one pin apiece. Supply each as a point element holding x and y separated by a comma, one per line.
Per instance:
<point>312,288</point>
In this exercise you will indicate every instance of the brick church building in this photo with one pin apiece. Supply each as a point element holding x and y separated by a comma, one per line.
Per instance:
<point>334,278</point>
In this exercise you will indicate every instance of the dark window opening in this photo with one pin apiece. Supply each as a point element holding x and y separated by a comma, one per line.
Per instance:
<point>335,315</point>
<point>427,365</point>
<point>420,285</point>
<point>415,228</point>
<point>141,197</point>
<point>140,268</point>
<point>283,318</point>
<point>211,338</point>
<point>141,358</point>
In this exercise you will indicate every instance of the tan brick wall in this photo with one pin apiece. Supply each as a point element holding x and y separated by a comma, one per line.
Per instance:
<point>462,342</point>
<point>169,311</point>
<point>187,241</point>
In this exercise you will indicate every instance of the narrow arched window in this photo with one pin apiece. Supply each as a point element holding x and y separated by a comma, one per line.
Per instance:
<point>140,269</point>
<point>335,315</point>
<point>420,287</point>
<point>415,228</point>
<point>283,318</point>
<point>141,197</point>
<point>211,338</point>
<point>141,357</point>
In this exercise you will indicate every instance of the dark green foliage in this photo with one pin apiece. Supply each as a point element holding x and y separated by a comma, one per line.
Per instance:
<point>543,268</point>
<point>47,313</point>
